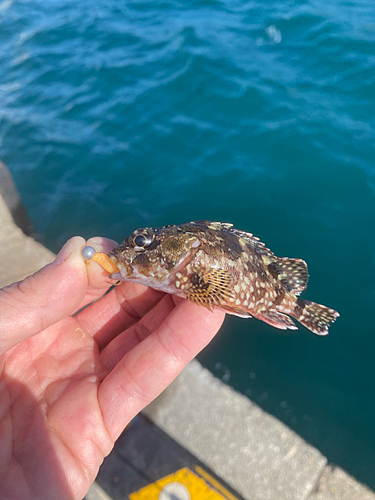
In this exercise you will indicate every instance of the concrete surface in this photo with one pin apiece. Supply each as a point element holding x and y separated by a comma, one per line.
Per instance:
<point>20,255</point>
<point>97,493</point>
<point>252,451</point>
<point>336,484</point>
<point>13,202</point>
<point>257,455</point>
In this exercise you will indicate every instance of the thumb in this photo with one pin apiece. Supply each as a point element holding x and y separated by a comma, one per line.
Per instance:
<point>46,297</point>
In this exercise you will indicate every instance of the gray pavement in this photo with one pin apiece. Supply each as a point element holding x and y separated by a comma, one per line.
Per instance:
<point>20,254</point>
<point>251,451</point>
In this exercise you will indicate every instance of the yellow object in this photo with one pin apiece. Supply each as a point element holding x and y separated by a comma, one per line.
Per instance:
<point>192,487</point>
<point>228,495</point>
<point>105,262</point>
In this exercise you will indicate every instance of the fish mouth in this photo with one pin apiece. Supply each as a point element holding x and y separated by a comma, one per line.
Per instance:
<point>125,271</point>
<point>116,276</point>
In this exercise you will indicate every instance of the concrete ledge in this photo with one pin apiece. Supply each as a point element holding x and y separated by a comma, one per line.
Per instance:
<point>20,255</point>
<point>12,200</point>
<point>253,452</point>
<point>336,484</point>
<point>96,492</point>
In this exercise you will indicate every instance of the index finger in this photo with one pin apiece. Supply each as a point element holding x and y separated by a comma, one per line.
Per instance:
<point>119,309</point>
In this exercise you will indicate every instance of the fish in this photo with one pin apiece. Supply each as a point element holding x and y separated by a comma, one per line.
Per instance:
<point>217,266</point>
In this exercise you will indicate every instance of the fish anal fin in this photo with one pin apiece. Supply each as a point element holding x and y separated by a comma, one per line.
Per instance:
<point>276,319</point>
<point>292,273</point>
<point>209,287</point>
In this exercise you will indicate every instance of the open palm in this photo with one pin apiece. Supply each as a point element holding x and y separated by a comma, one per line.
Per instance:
<point>71,383</point>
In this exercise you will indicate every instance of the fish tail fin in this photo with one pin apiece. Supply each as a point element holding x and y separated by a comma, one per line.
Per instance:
<point>315,317</point>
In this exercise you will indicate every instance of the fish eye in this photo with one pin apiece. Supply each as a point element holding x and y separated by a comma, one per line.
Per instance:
<point>142,240</point>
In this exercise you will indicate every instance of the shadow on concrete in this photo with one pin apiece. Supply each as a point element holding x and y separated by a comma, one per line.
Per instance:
<point>10,194</point>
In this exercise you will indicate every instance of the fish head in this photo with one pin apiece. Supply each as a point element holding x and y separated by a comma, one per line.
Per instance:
<point>150,256</point>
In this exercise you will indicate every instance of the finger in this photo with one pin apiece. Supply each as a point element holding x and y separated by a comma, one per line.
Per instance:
<point>128,339</point>
<point>98,282</point>
<point>150,367</point>
<point>113,313</point>
<point>44,298</point>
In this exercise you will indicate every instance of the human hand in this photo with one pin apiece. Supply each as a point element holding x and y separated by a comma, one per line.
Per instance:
<point>71,383</point>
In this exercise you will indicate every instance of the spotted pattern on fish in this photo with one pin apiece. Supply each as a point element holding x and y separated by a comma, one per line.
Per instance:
<point>216,265</point>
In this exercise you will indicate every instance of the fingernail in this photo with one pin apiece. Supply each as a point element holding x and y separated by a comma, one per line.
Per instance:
<point>102,245</point>
<point>64,253</point>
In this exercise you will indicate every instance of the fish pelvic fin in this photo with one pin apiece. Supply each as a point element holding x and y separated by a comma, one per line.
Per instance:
<point>276,319</point>
<point>235,311</point>
<point>292,273</point>
<point>315,317</point>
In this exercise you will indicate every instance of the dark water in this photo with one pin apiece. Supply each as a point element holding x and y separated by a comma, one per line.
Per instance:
<point>116,115</point>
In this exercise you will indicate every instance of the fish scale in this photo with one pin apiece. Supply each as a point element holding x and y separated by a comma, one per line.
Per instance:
<point>218,266</point>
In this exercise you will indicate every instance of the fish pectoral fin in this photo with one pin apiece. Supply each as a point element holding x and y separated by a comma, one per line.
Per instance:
<point>209,287</point>
<point>292,273</point>
<point>276,319</point>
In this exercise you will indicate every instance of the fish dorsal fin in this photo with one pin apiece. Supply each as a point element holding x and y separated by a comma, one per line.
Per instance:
<point>292,273</point>
<point>252,242</point>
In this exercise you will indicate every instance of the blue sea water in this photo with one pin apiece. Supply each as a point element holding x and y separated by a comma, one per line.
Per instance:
<point>116,115</point>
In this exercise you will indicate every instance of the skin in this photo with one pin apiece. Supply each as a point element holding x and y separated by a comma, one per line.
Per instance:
<point>70,384</point>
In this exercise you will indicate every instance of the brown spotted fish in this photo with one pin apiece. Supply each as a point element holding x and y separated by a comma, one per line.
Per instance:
<point>216,265</point>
